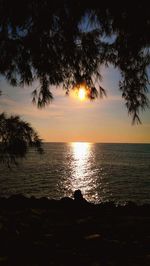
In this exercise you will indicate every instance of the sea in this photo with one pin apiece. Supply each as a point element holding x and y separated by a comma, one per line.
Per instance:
<point>103,172</point>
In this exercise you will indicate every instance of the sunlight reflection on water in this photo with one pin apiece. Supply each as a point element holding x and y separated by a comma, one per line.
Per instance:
<point>81,165</point>
<point>103,172</point>
<point>81,155</point>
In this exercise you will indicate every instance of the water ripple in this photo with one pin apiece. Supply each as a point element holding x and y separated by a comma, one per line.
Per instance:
<point>103,172</point>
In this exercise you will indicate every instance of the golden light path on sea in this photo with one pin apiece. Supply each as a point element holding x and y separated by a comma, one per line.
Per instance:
<point>81,155</point>
<point>81,165</point>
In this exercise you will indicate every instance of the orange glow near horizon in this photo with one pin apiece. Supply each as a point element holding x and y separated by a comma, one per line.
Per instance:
<point>76,118</point>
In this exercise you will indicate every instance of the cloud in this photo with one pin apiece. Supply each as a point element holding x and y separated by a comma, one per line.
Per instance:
<point>5,101</point>
<point>146,125</point>
<point>14,107</point>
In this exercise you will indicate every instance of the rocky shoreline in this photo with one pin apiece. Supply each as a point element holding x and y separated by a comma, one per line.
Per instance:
<point>73,232</point>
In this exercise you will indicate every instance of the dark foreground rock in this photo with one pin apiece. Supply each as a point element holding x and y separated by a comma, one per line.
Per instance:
<point>68,232</point>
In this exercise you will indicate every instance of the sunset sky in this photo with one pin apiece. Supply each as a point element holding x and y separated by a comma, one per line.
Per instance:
<point>67,119</point>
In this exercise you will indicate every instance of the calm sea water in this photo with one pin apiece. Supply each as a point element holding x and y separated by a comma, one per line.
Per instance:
<point>103,172</point>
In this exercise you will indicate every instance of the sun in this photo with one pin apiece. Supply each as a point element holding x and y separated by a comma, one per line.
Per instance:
<point>82,93</point>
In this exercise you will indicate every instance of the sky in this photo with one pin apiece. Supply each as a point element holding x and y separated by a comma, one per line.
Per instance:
<point>67,119</point>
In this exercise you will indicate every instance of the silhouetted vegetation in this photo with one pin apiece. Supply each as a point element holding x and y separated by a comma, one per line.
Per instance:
<point>16,136</point>
<point>66,42</point>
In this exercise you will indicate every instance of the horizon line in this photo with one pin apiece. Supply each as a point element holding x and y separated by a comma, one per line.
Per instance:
<point>92,142</point>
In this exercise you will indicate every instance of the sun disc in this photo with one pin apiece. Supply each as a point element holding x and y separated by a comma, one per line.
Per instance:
<point>82,93</point>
